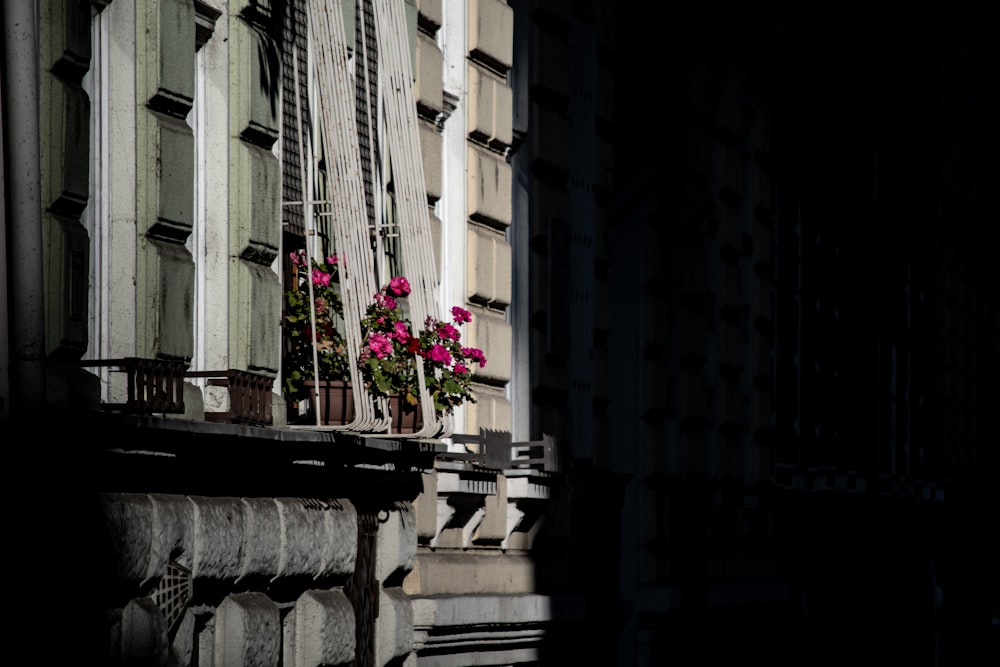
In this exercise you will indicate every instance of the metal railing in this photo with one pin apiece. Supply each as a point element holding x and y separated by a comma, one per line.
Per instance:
<point>497,451</point>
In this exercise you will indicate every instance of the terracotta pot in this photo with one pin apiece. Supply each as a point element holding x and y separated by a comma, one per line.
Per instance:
<point>404,418</point>
<point>336,402</point>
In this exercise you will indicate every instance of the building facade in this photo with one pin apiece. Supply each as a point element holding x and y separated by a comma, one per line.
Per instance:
<point>732,280</point>
<point>163,159</point>
<point>756,276</point>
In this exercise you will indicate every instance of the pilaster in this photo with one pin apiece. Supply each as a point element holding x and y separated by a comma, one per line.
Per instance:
<point>64,142</point>
<point>165,84</point>
<point>254,190</point>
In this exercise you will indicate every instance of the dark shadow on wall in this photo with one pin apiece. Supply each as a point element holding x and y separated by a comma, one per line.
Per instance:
<point>884,289</point>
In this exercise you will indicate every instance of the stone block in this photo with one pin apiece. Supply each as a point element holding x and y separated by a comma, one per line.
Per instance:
<point>492,334</point>
<point>262,533</point>
<point>430,12</point>
<point>488,187</point>
<point>255,307</point>
<point>218,537</point>
<point>732,347</point>
<point>731,288</point>
<point>182,648</point>
<point>65,148</point>
<point>552,67</point>
<point>128,520</point>
<point>143,634</point>
<point>247,631</point>
<point>397,544</point>
<point>68,269</point>
<point>205,641</point>
<point>488,274</point>
<point>761,406</point>
<point>490,107</point>
<point>323,629</point>
<point>252,116</point>
<point>194,403</point>
<point>394,626</point>
<point>173,518</point>
<point>428,89</point>
<point>552,142</point>
<point>172,329</point>
<point>265,331</point>
<point>166,35</point>
<point>605,102</point>
<point>491,32</point>
<point>66,38</point>
<point>761,187</point>
<point>447,611</point>
<point>69,387</point>
<point>255,187</point>
<point>493,529</point>
<point>425,508</point>
<point>491,410</point>
<point>316,542</point>
<point>175,185</point>
<point>430,151</point>
<point>448,572</point>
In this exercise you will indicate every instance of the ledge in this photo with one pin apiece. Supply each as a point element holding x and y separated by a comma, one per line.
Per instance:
<point>155,454</point>
<point>285,434</point>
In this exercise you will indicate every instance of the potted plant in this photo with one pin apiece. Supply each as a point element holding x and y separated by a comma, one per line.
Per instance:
<point>326,310</point>
<point>391,348</point>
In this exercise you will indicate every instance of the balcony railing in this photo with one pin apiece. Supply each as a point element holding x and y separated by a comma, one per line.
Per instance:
<point>154,386</point>
<point>249,396</point>
<point>496,450</point>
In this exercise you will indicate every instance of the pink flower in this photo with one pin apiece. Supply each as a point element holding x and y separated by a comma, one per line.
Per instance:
<point>332,260</point>
<point>320,277</point>
<point>380,345</point>
<point>475,354</point>
<point>448,332</point>
<point>320,305</point>
<point>440,353</point>
<point>384,300</point>
<point>399,286</point>
<point>402,332</point>
<point>294,256</point>
<point>460,315</point>
<point>461,369</point>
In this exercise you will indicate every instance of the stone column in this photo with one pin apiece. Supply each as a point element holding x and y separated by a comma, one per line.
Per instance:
<point>488,205</point>
<point>165,84</point>
<point>254,188</point>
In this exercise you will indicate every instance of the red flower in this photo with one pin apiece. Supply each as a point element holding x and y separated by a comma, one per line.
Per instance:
<point>413,345</point>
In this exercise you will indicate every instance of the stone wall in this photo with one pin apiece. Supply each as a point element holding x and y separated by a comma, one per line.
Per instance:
<point>242,581</point>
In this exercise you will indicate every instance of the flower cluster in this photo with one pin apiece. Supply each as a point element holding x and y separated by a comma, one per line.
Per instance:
<point>330,344</point>
<point>387,359</point>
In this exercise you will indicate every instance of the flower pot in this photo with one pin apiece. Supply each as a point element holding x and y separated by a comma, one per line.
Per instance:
<point>336,402</point>
<point>404,418</point>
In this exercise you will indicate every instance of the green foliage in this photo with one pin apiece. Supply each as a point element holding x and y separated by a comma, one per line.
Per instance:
<point>331,347</point>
